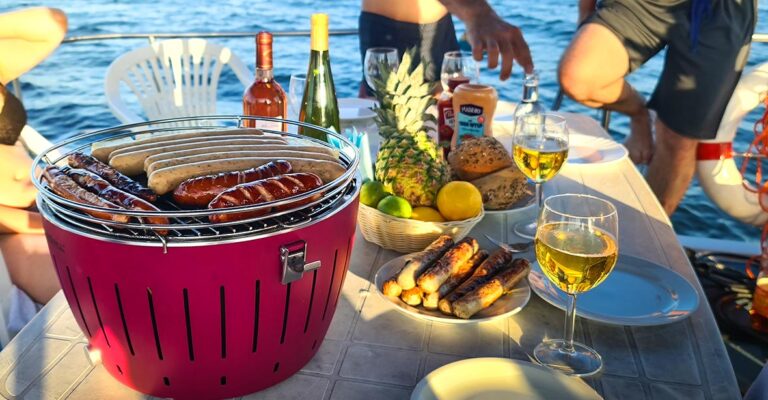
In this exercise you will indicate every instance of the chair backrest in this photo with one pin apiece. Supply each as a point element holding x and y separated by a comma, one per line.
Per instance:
<point>171,78</point>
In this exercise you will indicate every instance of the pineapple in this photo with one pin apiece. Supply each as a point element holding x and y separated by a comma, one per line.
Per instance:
<point>409,163</point>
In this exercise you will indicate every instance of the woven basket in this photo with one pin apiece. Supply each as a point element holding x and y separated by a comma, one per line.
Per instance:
<point>408,235</point>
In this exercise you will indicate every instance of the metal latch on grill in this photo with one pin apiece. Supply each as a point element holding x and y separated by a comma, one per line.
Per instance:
<point>294,259</point>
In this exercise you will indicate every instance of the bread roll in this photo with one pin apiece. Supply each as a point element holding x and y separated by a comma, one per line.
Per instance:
<point>475,158</point>
<point>503,188</point>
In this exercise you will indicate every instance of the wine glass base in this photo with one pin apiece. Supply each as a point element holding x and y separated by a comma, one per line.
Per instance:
<point>580,361</point>
<point>526,230</point>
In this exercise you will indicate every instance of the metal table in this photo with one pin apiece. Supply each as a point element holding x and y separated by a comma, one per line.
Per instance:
<point>374,352</point>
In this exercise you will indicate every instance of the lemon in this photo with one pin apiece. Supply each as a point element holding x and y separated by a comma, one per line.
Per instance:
<point>459,200</point>
<point>427,214</point>
<point>371,193</point>
<point>395,206</point>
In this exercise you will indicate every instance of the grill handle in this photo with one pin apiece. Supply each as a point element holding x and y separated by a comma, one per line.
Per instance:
<point>293,257</point>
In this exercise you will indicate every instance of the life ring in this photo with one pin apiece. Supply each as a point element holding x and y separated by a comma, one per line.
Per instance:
<point>717,171</point>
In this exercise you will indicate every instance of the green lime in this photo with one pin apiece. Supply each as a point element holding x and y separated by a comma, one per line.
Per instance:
<point>371,193</point>
<point>395,206</point>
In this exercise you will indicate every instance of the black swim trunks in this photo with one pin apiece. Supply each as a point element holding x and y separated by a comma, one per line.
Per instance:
<point>699,72</point>
<point>435,39</point>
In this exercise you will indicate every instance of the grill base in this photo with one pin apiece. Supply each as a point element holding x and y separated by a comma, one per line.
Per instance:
<point>209,321</point>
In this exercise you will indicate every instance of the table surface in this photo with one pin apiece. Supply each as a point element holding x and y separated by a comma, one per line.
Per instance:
<point>373,352</point>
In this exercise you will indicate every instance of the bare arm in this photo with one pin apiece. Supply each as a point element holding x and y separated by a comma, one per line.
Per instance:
<point>13,220</point>
<point>586,8</point>
<point>27,37</point>
<point>486,31</point>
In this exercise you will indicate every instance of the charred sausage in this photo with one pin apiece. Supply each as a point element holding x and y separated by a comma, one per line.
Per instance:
<point>493,264</point>
<point>198,192</point>
<point>407,276</point>
<point>460,275</point>
<point>111,175</point>
<point>487,293</point>
<point>65,187</point>
<point>447,265</point>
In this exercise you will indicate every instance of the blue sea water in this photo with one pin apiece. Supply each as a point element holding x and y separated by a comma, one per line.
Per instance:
<point>65,95</point>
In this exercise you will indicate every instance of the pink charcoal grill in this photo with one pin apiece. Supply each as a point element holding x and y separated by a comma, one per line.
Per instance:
<point>208,310</point>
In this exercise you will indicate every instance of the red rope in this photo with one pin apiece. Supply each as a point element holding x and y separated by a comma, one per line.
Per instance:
<point>759,146</point>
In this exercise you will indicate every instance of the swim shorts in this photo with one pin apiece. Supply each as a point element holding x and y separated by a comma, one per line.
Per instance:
<point>434,39</point>
<point>699,75</point>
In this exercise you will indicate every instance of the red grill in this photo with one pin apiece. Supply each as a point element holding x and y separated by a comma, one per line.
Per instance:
<point>208,311</point>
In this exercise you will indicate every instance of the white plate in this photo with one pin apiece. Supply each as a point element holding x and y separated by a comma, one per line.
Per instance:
<point>354,109</point>
<point>587,149</point>
<point>637,293</point>
<point>506,305</point>
<point>500,378</point>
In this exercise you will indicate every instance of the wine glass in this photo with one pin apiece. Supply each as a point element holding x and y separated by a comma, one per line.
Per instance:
<point>459,67</point>
<point>377,58</point>
<point>539,148</point>
<point>577,244</point>
<point>295,94</point>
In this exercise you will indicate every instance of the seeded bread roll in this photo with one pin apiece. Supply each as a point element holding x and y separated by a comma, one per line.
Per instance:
<point>478,157</point>
<point>503,188</point>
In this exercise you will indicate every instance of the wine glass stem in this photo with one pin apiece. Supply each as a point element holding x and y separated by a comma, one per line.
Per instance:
<point>570,322</point>
<point>539,195</point>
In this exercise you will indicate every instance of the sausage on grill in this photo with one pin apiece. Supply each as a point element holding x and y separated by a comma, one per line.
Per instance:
<point>201,190</point>
<point>97,185</point>
<point>65,187</point>
<point>262,191</point>
<point>111,175</point>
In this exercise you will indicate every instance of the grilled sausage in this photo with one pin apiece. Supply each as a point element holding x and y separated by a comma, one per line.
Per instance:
<point>391,288</point>
<point>102,150</point>
<point>269,151</point>
<point>167,179</point>
<point>95,184</point>
<point>262,191</point>
<point>447,265</point>
<point>406,278</point>
<point>493,264</point>
<point>460,275</point>
<point>118,180</point>
<point>65,187</point>
<point>130,160</point>
<point>411,296</point>
<point>200,191</point>
<point>217,147</point>
<point>429,300</point>
<point>487,293</point>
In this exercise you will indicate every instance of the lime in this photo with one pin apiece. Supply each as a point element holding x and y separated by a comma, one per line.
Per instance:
<point>427,214</point>
<point>459,200</point>
<point>395,206</point>
<point>371,193</point>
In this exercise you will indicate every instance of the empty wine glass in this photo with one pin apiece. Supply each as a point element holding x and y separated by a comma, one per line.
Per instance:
<point>458,66</point>
<point>377,58</point>
<point>295,94</point>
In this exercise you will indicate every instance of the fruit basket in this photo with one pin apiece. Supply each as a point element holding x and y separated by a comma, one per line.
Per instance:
<point>408,235</point>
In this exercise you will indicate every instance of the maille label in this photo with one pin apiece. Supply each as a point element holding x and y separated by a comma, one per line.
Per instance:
<point>471,122</point>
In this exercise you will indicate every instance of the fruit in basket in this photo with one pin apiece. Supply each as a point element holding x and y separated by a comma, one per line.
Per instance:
<point>371,193</point>
<point>395,206</point>
<point>459,200</point>
<point>429,214</point>
<point>408,164</point>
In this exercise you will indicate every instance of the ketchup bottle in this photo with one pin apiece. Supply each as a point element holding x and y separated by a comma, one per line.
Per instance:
<point>445,116</point>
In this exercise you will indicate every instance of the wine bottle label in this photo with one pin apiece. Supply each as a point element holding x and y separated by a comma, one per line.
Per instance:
<point>470,122</point>
<point>272,125</point>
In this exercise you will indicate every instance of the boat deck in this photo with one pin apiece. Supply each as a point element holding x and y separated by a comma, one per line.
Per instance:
<point>374,352</point>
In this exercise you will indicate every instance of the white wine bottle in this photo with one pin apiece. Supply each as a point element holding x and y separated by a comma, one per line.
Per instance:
<point>319,105</point>
<point>529,104</point>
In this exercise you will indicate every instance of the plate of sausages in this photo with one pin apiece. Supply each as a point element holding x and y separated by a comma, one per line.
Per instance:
<point>455,282</point>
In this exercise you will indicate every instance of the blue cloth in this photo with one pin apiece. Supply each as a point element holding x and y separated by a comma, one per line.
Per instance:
<point>700,10</point>
<point>759,389</point>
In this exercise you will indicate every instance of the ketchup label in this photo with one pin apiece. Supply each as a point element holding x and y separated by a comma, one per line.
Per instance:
<point>471,122</point>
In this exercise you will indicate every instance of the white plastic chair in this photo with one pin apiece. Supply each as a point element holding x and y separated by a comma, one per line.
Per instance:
<point>171,78</point>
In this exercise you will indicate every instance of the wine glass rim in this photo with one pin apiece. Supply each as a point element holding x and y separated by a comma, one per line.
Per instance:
<point>457,53</point>
<point>610,205</point>
<point>299,75</point>
<point>380,50</point>
<point>556,117</point>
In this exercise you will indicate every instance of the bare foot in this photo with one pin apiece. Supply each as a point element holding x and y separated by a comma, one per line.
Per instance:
<point>640,140</point>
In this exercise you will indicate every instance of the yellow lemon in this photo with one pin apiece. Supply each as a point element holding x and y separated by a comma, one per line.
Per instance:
<point>459,200</point>
<point>426,214</point>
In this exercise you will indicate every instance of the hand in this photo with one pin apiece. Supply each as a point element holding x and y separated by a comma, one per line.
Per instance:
<point>488,33</point>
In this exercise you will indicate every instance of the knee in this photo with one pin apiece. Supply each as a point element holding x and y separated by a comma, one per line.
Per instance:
<point>670,141</point>
<point>574,80</point>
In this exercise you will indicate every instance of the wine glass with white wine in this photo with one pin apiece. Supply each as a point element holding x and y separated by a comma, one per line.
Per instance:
<point>577,243</point>
<point>539,148</point>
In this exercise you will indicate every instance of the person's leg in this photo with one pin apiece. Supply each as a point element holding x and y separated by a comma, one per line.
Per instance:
<point>672,167</point>
<point>29,265</point>
<point>592,72</point>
